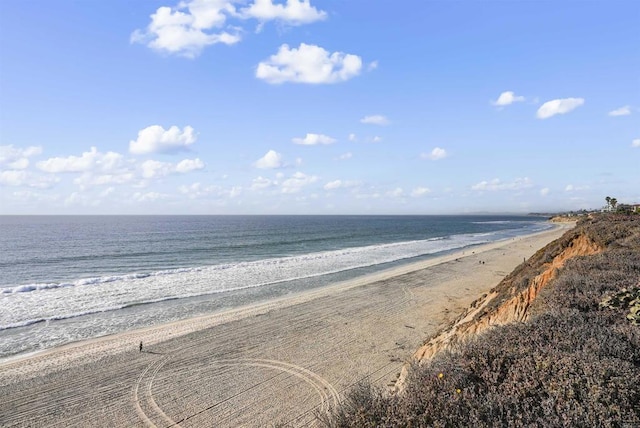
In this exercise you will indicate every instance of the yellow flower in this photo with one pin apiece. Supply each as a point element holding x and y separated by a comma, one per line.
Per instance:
<point>440,375</point>
<point>458,390</point>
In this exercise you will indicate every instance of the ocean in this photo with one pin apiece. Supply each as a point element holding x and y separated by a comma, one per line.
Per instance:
<point>68,278</point>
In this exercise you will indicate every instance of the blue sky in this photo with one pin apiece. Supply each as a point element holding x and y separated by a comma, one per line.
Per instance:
<point>317,106</point>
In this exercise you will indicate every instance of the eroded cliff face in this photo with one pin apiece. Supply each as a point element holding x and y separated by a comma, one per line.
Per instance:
<point>509,301</point>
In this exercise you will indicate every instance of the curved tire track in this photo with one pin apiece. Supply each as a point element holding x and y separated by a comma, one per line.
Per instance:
<point>145,383</point>
<point>154,416</point>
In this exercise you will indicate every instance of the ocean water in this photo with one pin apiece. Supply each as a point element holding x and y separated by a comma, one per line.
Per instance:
<point>67,278</point>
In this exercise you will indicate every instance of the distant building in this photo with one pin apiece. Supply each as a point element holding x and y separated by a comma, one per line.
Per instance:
<point>628,208</point>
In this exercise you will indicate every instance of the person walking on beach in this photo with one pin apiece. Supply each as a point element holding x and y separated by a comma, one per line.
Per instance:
<point>141,346</point>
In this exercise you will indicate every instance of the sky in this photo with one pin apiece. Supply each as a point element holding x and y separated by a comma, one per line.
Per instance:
<point>318,106</point>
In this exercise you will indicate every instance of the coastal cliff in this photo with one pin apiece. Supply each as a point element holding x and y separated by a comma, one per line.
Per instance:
<point>556,343</point>
<point>510,300</point>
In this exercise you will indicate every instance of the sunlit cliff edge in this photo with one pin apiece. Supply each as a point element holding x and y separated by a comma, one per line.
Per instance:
<point>511,299</point>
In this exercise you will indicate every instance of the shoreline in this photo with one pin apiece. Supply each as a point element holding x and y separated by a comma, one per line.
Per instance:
<point>76,311</point>
<point>331,336</point>
<point>185,326</point>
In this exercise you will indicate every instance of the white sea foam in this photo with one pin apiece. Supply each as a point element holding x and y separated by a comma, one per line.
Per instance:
<point>25,305</point>
<point>326,255</point>
<point>28,322</point>
<point>126,279</point>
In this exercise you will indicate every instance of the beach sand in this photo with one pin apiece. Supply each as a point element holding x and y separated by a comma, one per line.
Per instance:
<point>275,362</point>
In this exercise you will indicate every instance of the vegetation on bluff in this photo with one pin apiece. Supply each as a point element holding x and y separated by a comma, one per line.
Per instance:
<point>574,362</point>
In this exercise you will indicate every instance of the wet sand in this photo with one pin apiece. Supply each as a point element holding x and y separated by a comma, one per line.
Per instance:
<point>274,362</point>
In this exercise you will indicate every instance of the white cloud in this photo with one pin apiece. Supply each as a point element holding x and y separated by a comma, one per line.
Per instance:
<point>109,161</point>
<point>297,181</point>
<point>396,193</point>
<point>76,198</point>
<point>559,106</point>
<point>352,137</point>
<point>27,179</point>
<point>270,160</point>
<point>155,139</point>
<point>496,184</point>
<point>436,154</point>
<point>622,111</point>
<point>190,26</point>
<point>336,184</point>
<point>149,196</point>
<point>92,160</point>
<point>6,152</point>
<point>294,12</point>
<point>370,195</point>
<point>16,157</point>
<point>261,183</point>
<point>372,65</point>
<point>88,179</point>
<point>376,139</point>
<point>345,156</point>
<point>572,188</point>
<point>545,191</point>
<point>507,98</point>
<point>188,165</point>
<point>157,169</point>
<point>30,196</point>
<point>69,164</point>
<point>340,184</point>
<point>420,191</point>
<point>96,168</point>
<point>376,119</point>
<point>314,139</point>
<point>191,190</point>
<point>635,143</point>
<point>132,172</point>
<point>199,190</point>
<point>308,64</point>
<point>187,28</point>
<point>106,192</point>
<point>21,163</point>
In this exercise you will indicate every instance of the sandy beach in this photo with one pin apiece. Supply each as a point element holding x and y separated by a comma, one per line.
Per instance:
<point>274,362</point>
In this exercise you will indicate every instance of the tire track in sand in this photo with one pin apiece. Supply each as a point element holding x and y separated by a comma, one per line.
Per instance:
<point>145,384</point>
<point>154,416</point>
